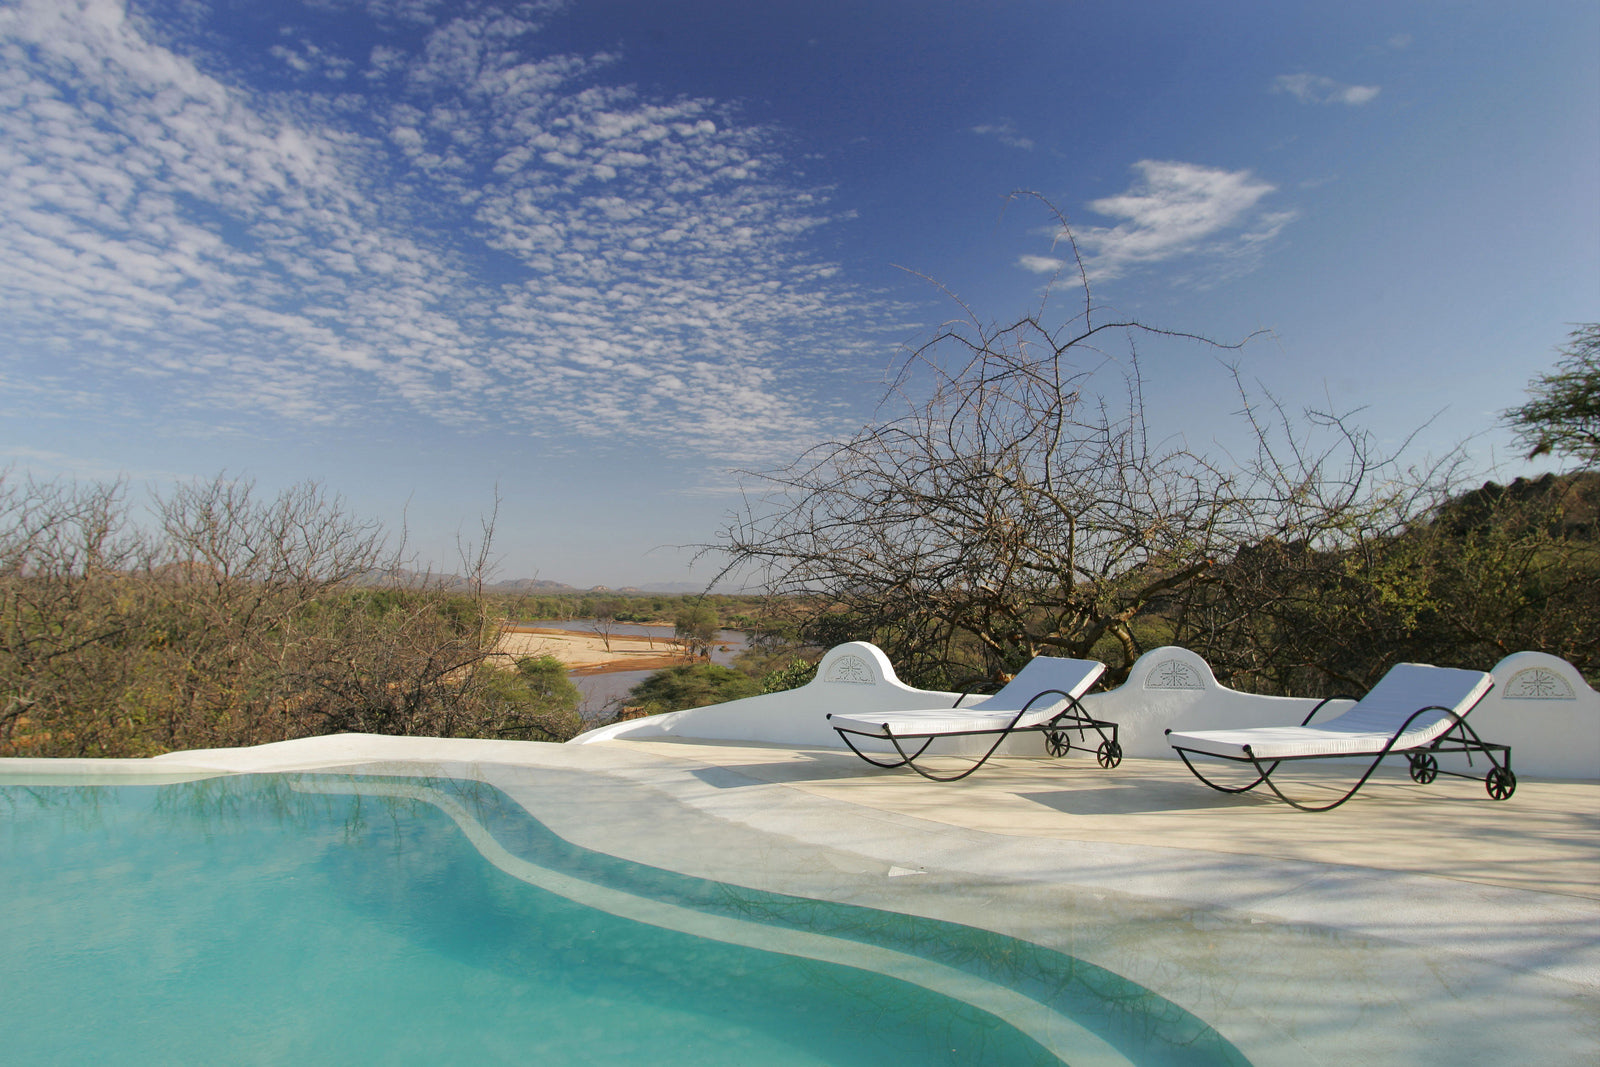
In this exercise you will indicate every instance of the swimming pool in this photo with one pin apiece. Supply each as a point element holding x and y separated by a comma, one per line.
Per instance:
<point>340,918</point>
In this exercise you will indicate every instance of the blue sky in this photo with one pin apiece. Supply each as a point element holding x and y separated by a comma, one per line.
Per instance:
<point>594,256</point>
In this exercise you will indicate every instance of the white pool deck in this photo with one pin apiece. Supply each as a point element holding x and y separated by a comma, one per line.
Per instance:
<point>1415,924</point>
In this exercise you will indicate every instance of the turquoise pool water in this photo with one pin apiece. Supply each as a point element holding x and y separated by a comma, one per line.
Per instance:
<point>325,919</point>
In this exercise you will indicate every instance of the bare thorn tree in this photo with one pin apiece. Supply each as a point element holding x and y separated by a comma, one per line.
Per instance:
<point>1012,503</point>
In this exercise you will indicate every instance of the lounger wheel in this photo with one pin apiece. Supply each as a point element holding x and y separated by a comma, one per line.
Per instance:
<point>1500,783</point>
<point>1057,743</point>
<point>1110,754</point>
<point>1424,768</point>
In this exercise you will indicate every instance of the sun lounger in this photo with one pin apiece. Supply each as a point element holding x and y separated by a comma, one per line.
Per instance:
<point>1415,710</point>
<point>1042,698</point>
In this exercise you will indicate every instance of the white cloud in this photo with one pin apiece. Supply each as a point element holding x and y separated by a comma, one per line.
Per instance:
<point>489,239</point>
<point>1316,89</point>
<point>308,59</point>
<point>1041,264</point>
<point>1005,133</point>
<point>1179,210</point>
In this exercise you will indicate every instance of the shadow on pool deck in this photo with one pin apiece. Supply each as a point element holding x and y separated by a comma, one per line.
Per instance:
<point>1545,838</point>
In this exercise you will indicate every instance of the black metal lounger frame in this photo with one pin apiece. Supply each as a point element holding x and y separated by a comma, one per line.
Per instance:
<point>1057,737</point>
<point>1499,781</point>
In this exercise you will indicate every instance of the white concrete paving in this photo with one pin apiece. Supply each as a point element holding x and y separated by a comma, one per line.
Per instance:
<point>1413,925</point>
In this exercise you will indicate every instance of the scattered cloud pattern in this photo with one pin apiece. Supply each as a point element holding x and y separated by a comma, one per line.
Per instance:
<point>1316,89</point>
<point>451,225</point>
<point>1178,210</point>
<point>1005,133</point>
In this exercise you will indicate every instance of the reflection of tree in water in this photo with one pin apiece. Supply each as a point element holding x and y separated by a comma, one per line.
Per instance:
<point>80,807</point>
<point>235,801</point>
<point>222,805</point>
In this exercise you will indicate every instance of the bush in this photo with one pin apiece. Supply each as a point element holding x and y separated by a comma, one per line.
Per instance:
<point>535,701</point>
<point>692,686</point>
<point>793,675</point>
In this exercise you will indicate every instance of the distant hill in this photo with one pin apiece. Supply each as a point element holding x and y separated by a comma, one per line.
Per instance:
<point>527,586</point>
<point>542,587</point>
<point>1568,504</point>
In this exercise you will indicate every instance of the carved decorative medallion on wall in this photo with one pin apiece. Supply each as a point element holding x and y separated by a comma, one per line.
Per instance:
<point>1537,683</point>
<point>1173,674</point>
<point>851,670</point>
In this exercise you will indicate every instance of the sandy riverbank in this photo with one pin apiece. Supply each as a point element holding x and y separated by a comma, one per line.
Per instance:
<point>590,653</point>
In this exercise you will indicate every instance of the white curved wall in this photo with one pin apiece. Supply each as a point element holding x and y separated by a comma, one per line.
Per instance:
<point>1540,706</point>
<point>1546,712</point>
<point>1172,688</point>
<point>855,678</point>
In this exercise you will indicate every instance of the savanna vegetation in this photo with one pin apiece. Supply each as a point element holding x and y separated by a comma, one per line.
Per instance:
<point>229,619</point>
<point>730,610</point>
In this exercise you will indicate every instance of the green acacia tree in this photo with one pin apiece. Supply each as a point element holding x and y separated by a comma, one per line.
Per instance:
<point>696,626</point>
<point>1562,417</point>
<point>534,701</point>
<point>691,686</point>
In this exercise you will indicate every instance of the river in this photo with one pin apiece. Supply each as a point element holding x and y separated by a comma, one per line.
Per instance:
<point>602,691</point>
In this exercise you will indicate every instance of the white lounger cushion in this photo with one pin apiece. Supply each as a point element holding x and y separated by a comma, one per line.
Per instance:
<point>1042,674</point>
<point>1367,727</point>
<point>939,721</point>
